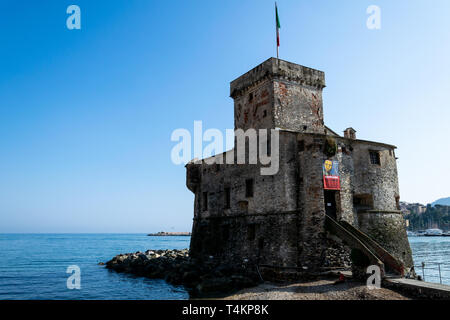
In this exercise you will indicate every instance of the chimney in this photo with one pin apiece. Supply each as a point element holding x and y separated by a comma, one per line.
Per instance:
<point>350,133</point>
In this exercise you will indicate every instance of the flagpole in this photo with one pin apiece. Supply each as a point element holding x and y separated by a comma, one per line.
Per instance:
<point>277,53</point>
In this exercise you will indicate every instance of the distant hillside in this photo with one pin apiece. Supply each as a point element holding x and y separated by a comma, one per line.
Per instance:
<point>421,217</point>
<point>442,202</point>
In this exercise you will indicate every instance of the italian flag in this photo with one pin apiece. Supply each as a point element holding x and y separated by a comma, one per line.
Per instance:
<point>277,25</point>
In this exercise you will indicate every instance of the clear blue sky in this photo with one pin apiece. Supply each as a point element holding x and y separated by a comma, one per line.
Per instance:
<point>86,115</point>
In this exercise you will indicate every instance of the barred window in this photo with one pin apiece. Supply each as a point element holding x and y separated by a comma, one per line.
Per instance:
<point>375,157</point>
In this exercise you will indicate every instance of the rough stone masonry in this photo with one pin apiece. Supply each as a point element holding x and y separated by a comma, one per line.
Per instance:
<point>278,221</point>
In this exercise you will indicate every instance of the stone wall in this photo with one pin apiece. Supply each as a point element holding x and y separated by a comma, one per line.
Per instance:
<point>255,108</point>
<point>213,179</point>
<point>380,181</point>
<point>388,228</point>
<point>298,107</point>
<point>250,237</point>
<point>263,225</point>
<point>311,200</point>
<point>279,94</point>
<point>284,220</point>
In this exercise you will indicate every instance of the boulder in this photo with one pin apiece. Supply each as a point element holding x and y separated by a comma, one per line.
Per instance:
<point>176,267</point>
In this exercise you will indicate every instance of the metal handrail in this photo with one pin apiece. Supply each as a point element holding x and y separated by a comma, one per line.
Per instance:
<point>424,267</point>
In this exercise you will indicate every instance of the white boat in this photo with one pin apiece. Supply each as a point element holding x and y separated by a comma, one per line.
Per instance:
<point>411,234</point>
<point>434,233</point>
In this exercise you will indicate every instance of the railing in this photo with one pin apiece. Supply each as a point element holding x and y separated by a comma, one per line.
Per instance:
<point>371,248</point>
<point>384,255</point>
<point>439,269</point>
<point>352,240</point>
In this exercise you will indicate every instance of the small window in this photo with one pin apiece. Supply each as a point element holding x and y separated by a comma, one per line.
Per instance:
<point>375,157</point>
<point>205,201</point>
<point>363,200</point>
<point>250,97</point>
<point>249,188</point>
<point>251,232</point>
<point>227,204</point>
<point>225,232</point>
<point>261,243</point>
<point>264,113</point>
<point>301,145</point>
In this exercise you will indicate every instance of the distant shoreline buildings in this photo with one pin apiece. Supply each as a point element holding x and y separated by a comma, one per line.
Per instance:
<point>420,217</point>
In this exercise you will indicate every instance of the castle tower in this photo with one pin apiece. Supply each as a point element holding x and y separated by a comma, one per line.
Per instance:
<point>279,94</point>
<point>291,218</point>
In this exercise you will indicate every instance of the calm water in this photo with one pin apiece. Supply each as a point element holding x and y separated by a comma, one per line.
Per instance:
<point>432,250</point>
<point>33,266</point>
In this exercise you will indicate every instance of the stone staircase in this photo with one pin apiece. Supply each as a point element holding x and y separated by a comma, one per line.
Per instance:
<point>356,239</point>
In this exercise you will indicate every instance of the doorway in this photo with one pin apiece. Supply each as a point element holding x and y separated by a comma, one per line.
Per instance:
<point>330,203</point>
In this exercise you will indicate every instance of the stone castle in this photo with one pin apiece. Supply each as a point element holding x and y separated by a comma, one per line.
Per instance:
<point>295,219</point>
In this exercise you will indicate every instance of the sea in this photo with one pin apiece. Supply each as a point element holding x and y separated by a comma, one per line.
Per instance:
<point>40,266</point>
<point>34,266</point>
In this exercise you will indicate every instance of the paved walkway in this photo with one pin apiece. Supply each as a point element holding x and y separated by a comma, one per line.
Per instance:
<point>420,284</point>
<point>419,289</point>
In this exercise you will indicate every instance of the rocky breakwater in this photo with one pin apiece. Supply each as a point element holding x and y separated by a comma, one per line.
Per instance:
<point>201,278</point>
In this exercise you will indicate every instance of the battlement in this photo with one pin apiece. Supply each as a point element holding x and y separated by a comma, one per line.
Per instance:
<point>274,68</point>
<point>279,94</point>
